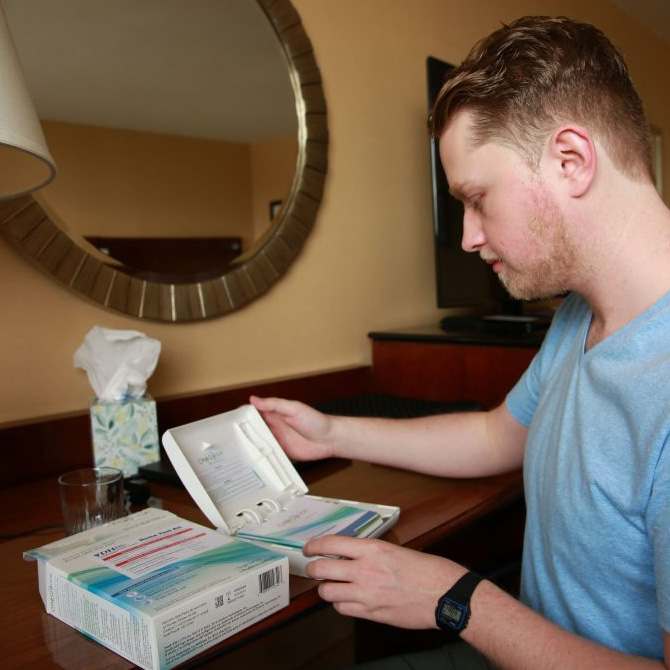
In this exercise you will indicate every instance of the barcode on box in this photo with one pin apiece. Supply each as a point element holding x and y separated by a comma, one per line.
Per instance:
<point>270,578</point>
<point>219,601</point>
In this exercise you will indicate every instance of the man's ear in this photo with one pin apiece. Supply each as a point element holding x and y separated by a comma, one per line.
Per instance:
<point>573,153</point>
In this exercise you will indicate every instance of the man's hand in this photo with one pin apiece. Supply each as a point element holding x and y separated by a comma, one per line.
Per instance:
<point>381,581</point>
<point>304,433</point>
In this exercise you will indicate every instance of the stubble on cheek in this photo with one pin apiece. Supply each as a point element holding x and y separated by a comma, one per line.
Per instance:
<point>551,255</point>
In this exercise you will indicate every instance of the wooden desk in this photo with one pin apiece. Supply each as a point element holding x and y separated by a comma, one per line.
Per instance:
<point>29,638</point>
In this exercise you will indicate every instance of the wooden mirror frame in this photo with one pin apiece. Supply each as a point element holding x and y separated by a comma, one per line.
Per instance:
<point>25,224</point>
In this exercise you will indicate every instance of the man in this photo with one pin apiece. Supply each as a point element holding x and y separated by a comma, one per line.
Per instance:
<point>544,139</point>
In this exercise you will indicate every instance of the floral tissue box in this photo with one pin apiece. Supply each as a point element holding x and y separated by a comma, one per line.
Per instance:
<point>125,433</point>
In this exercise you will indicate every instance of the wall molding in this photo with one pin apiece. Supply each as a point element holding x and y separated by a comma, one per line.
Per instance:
<point>48,447</point>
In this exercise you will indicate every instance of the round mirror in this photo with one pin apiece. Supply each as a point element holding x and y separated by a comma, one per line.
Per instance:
<point>191,142</point>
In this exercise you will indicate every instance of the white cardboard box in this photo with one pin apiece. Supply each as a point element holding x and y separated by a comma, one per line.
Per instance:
<point>158,589</point>
<point>238,474</point>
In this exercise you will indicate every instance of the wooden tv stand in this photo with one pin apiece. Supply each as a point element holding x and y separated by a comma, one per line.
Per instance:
<point>430,364</point>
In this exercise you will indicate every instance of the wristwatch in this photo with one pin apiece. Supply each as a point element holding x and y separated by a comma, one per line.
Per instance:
<point>453,608</point>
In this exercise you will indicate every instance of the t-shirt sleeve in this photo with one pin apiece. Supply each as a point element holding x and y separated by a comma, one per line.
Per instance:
<point>658,527</point>
<point>522,400</point>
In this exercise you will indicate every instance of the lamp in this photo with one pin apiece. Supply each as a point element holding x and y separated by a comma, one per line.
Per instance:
<point>25,161</point>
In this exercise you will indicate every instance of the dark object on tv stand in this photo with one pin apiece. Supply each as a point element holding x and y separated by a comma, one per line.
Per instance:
<point>511,325</point>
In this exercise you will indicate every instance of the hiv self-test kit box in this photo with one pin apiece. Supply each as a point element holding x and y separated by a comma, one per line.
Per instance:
<point>158,589</point>
<point>240,477</point>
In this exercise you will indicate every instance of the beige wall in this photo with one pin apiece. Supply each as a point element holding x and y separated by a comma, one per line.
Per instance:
<point>122,183</point>
<point>272,168</point>
<point>368,264</point>
<point>130,184</point>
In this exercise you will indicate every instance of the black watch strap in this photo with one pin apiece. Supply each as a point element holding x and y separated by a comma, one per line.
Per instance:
<point>463,589</point>
<point>453,608</point>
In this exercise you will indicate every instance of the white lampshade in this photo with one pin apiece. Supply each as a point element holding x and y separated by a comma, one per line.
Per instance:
<point>25,161</point>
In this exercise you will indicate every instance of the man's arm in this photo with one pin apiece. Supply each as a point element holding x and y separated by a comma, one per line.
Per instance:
<point>470,444</point>
<point>401,587</point>
<point>514,636</point>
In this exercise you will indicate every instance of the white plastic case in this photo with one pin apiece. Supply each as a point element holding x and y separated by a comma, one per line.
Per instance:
<point>252,479</point>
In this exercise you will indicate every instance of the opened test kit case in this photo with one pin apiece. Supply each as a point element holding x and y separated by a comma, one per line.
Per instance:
<point>239,476</point>
<point>158,589</point>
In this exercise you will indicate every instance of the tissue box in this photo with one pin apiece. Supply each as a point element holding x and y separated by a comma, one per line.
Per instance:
<point>158,589</point>
<point>125,433</point>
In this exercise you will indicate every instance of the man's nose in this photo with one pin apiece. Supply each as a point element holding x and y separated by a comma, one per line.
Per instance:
<point>473,235</point>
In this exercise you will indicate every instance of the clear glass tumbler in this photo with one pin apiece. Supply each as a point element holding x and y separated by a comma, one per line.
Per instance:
<point>91,497</point>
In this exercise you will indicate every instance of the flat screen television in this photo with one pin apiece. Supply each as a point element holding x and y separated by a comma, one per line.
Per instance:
<point>462,278</point>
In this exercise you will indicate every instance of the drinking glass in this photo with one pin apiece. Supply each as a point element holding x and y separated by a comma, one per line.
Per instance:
<point>91,497</point>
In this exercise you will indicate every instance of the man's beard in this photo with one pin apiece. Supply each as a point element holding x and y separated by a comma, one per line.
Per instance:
<point>551,272</point>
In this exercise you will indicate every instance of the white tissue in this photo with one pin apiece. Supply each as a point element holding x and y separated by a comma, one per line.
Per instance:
<point>117,362</point>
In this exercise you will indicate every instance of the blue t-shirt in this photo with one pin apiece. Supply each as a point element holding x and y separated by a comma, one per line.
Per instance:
<point>597,478</point>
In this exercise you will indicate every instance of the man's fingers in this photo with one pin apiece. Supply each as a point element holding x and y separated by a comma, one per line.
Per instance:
<point>278,405</point>
<point>348,600</point>
<point>338,592</point>
<point>329,569</point>
<point>353,609</point>
<point>337,545</point>
<point>278,410</point>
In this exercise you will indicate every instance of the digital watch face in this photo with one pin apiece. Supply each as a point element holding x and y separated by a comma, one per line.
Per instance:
<point>452,614</point>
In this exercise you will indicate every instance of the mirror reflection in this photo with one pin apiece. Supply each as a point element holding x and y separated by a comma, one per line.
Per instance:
<point>172,122</point>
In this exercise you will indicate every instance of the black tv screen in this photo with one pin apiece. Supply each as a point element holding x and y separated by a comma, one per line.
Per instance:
<point>462,278</point>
